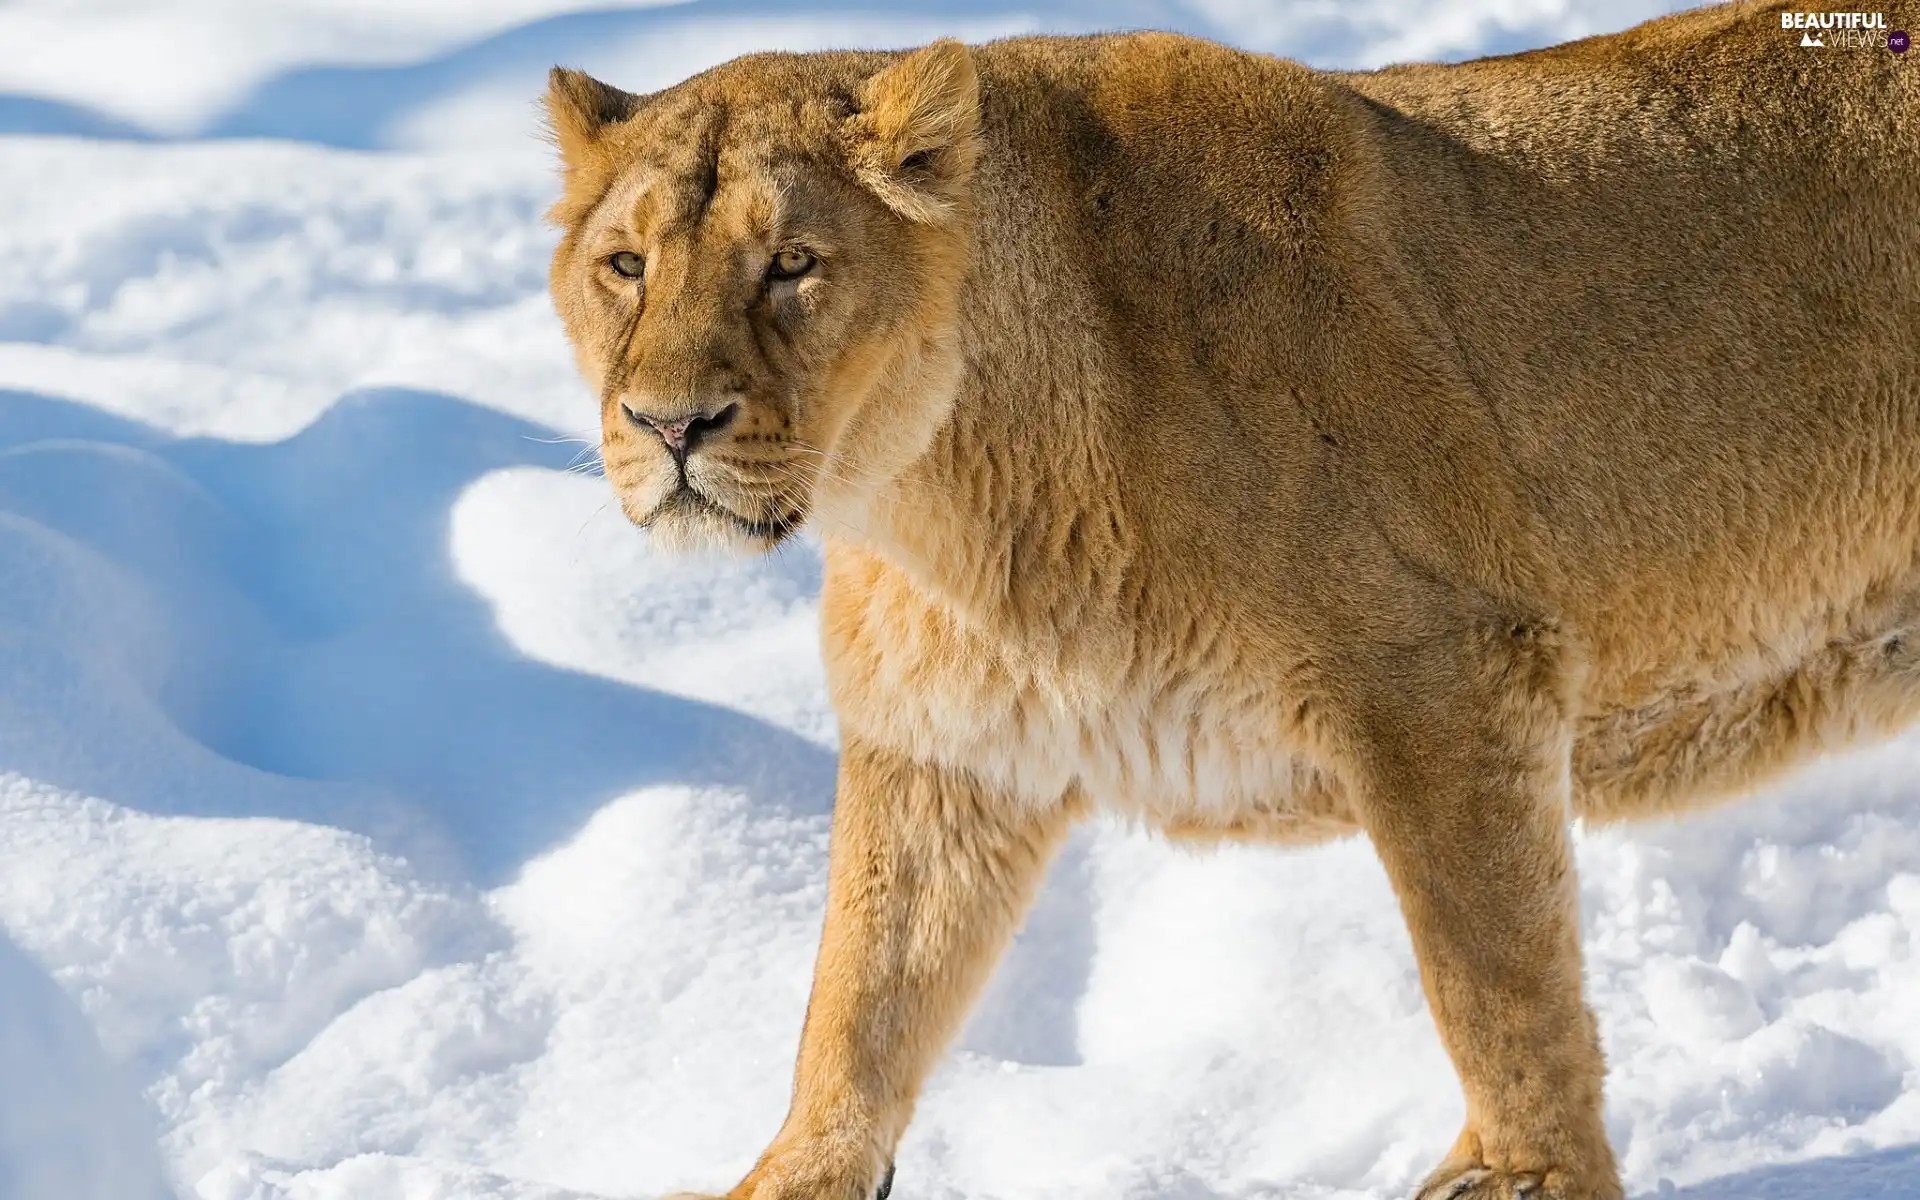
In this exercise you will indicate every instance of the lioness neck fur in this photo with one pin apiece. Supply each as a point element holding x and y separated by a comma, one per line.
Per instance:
<point>1267,453</point>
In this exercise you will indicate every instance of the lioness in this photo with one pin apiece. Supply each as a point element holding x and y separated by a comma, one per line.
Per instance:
<point>1262,453</point>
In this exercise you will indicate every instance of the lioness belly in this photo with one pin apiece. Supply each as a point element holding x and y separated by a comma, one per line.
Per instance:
<point>1159,757</point>
<point>1715,737</point>
<point>1185,752</point>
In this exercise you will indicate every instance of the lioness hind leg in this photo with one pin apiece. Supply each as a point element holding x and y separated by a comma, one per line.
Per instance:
<point>1460,762</point>
<point>1707,746</point>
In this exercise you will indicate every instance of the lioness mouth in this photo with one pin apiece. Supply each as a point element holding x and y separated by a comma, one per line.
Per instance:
<point>691,499</point>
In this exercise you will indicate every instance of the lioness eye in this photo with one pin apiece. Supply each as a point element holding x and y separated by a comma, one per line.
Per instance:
<point>628,265</point>
<point>790,264</point>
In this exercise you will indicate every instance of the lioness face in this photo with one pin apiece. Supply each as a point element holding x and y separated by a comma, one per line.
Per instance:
<point>758,276</point>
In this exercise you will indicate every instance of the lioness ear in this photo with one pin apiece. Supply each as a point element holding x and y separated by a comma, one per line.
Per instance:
<point>579,108</point>
<point>917,135</point>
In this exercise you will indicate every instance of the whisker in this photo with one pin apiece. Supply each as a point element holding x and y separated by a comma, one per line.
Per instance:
<point>839,470</point>
<point>586,436</point>
<point>794,484</point>
<point>813,516</point>
<point>573,557</point>
<point>850,472</point>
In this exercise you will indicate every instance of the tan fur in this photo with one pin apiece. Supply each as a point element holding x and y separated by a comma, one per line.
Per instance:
<point>1265,453</point>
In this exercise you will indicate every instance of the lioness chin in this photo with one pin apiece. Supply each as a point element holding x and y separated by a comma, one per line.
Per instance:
<point>1440,453</point>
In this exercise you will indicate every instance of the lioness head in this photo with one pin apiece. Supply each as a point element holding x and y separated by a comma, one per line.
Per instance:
<point>759,273</point>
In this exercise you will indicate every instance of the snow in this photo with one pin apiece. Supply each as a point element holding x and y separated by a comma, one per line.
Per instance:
<point>381,817</point>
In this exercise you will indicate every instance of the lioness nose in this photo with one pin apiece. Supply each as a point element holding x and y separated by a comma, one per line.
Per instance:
<point>682,434</point>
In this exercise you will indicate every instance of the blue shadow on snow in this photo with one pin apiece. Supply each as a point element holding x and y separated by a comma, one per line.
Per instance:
<point>296,618</point>
<point>357,107</point>
<point>1875,1175</point>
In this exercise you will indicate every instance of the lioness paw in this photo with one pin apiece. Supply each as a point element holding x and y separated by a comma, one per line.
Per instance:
<point>1467,1179</point>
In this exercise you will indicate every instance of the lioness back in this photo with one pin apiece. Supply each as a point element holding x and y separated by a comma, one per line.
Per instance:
<point>1639,312</point>
<point>1680,265</point>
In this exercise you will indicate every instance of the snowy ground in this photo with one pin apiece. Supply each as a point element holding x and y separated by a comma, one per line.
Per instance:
<point>381,818</point>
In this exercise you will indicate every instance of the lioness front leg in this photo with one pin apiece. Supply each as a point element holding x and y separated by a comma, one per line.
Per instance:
<point>1465,797</point>
<point>930,874</point>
